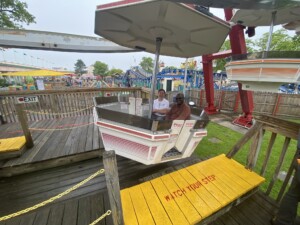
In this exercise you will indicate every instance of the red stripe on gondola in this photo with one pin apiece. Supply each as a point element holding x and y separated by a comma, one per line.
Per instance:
<point>125,130</point>
<point>200,134</point>
<point>133,132</point>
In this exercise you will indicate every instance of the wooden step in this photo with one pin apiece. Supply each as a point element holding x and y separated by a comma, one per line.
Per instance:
<point>12,147</point>
<point>188,195</point>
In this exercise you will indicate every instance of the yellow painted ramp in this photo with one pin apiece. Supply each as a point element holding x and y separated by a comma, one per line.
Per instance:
<point>12,144</point>
<point>188,195</point>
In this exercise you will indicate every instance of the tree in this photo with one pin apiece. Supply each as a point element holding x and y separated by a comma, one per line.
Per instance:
<point>80,67</point>
<point>13,13</point>
<point>220,63</point>
<point>3,82</point>
<point>170,68</point>
<point>281,41</point>
<point>191,64</point>
<point>114,71</point>
<point>147,64</point>
<point>100,68</point>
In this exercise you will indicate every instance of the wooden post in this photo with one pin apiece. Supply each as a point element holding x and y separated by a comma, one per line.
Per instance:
<point>236,104</point>
<point>113,187</point>
<point>276,106</point>
<point>254,149</point>
<point>278,165</point>
<point>54,105</point>
<point>24,123</point>
<point>201,96</point>
<point>220,100</point>
<point>254,129</point>
<point>138,94</point>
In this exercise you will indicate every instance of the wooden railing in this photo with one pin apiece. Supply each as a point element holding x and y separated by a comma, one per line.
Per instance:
<point>289,131</point>
<point>58,103</point>
<point>72,102</point>
<point>273,104</point>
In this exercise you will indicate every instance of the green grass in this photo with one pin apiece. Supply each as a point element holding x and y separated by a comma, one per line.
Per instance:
<point>227,138</point>
<point>294,120</point>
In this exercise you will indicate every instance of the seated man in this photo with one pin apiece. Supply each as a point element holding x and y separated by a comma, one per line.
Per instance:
<point>180,110</point>
<point>160,105</point>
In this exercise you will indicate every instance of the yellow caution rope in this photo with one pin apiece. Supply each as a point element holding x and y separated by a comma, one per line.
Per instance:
<point>53,198</point>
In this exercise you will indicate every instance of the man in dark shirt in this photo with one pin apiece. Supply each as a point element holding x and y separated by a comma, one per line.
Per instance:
<point>180,110</point>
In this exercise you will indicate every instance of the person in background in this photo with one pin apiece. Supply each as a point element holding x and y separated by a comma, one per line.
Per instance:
<point>287,213</point>
<point>161,105</point>
<point>98,84</point>
<point>180,110</point>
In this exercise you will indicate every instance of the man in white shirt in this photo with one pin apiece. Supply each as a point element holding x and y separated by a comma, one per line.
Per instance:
<point>161,105</point>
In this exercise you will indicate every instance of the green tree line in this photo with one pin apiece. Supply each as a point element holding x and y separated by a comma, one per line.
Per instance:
<point>281,41</point>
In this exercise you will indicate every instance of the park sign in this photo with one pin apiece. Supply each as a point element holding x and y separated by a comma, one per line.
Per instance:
<point>27,99</point>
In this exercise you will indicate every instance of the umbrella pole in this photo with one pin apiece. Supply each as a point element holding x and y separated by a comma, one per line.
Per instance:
<point>271,31</point>
<point>155,71</point>
<point>185,76</point>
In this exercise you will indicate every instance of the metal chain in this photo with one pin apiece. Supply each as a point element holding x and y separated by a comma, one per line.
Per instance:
<point>53,198</point>
<point>108,212</point>
<point>58,113</point>
<point>61,128</point>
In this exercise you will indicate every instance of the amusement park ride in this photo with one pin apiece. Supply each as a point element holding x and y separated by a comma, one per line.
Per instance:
<point>156,27</point>
<point>162,31</point>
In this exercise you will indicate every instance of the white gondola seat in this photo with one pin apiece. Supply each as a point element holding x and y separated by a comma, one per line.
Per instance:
<point>142,139</point>
<point>264,71</point>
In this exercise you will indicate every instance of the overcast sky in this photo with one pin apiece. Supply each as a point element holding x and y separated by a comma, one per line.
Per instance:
<point>77,17</point>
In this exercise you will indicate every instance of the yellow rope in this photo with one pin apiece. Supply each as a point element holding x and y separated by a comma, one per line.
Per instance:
<point>53,198</point>
<point>108,212</point>
<point>58,113</point>
<point>61,128</point>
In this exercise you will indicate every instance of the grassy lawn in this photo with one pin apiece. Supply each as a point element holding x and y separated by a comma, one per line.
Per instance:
<point>221,139</point>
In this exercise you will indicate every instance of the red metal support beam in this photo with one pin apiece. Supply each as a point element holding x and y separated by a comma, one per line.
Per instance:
<point>209,80</point>
<point>209,84</point>
<point>238,46</point>
<point>220,55</point>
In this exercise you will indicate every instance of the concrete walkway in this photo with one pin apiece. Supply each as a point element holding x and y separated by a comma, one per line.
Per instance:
<point>225,119</point>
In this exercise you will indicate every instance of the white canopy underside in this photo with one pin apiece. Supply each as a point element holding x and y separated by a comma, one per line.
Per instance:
<point>185,32</point>
<point>263,17</point>
<point>53,41</point>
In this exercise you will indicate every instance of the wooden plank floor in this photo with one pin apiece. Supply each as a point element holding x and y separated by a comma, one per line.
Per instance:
<point>188,195</point>
<point>61,159</point>
<point>56,142</point>
<point>90,201</point>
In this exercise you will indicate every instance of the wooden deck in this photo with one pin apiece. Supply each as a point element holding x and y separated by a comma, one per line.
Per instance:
<point>56,142</point>
<point>89,202</point>
<point>62,158</point>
